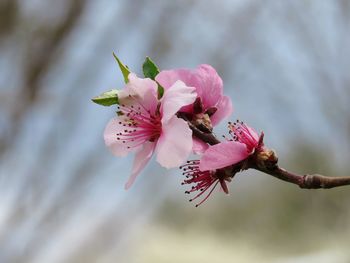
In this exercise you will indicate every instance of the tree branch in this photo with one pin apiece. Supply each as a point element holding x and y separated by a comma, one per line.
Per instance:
<point>269,166</point>
<point>204,136</point>
<point>308,181</point>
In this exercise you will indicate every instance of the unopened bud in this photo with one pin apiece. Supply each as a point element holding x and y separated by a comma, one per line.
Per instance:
<point>266,159</point>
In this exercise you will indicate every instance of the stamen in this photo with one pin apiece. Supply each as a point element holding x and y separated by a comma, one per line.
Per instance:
<point>140,125</point>
<point>241,133</point>
<point>203,180</point>
<point>211,191</point>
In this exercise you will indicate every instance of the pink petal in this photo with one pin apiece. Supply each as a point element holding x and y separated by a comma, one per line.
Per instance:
<point>204,78</point>
<point>211,85</point>
<point>142,157</point>
<point>167,78</point>
<point>143,92</point>
<point>140,86</point>
<point>199,146</point>
<point>174,98</point>
<point>175,143</point>
<point>222,155</point>
<point>110,136</point>
<point>224,109</point>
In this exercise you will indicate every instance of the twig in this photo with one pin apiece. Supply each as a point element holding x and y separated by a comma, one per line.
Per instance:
<point>308,181</point>
<point>205,137</point>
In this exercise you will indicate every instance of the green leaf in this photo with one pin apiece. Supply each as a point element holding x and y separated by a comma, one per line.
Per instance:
<point>160,91</point>
<point>124,69</point>
<point>150,69</point>
<point>107,98</point>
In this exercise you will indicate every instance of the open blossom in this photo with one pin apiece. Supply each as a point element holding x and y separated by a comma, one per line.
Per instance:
<point>204,182</point>
<point>216,166</point>
<point>210,98</point>
<point>245,142</point>
<point>146,125</point>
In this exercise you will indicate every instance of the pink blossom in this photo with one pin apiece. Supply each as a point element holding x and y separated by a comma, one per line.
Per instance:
<point>245,141</point>
<point>209,89</point>
<point>146,125</point>
<point>204,181</point>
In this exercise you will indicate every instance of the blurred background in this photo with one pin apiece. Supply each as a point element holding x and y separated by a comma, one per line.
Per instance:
<point>285,65</point>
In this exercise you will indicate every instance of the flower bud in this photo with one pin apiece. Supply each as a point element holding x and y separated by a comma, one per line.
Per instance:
<point>266,159</point>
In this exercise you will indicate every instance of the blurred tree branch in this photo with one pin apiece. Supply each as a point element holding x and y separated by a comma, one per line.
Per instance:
<point>39,56</point>
<point>8,16</point>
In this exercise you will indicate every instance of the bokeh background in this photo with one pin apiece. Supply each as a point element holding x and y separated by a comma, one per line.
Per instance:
<point>285,65</point>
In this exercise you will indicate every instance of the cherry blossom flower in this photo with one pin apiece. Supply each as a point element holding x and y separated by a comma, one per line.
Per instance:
<point>210,99</point>
<point>217,165</point>
<point>245,142</point>
<point>146,125</point>
<point>204,181</point>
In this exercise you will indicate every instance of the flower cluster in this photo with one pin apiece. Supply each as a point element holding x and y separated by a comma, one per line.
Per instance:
<point>157,115</point>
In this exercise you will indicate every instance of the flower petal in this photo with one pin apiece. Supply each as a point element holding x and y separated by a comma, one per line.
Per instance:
<point>142,157</point>
<point>199,146</point>
<point>224,109</point>
<point>204,78</point>
<point>174,98</point>
<point>140,86</point>
<point>175,143</point>
<point>167,78</point>
<point>211,85</point>
<point>117,147</point>
<point>143,92</point>
<point>222,155</point>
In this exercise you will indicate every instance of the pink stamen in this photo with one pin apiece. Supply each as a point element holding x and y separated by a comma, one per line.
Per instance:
<point>241,133</point>
<point>211,191</point>
<point>140,125</point>
<point>203,180</point>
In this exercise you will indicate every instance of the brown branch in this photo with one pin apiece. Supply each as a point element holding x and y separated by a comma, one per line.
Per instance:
<point>204,136</point>
<point>308,181</point>
<point>268,165</point>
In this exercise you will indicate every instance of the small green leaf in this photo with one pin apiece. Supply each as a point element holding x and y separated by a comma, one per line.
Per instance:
<point>107,98</point>
<point>150,69</point>
<point>124,69</point>
<point>160,91</point>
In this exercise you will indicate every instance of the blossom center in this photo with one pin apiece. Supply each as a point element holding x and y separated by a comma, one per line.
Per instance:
<point>241,133</point>
<point>139,125</point>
